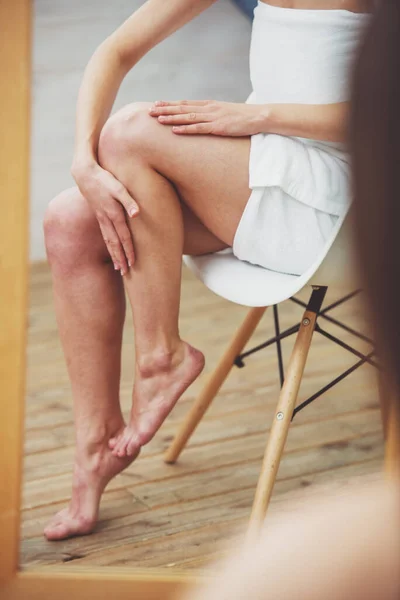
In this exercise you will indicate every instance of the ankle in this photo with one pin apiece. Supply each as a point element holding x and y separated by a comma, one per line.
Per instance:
<point>159,360</point>
<point>93,440</point>
<point>87,464</point>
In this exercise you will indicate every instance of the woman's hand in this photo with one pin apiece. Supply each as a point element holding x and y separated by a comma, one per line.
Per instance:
<point>111,202</point>
<point>209,117</point>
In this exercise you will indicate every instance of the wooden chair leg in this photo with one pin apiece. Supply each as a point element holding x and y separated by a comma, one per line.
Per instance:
<point>281,422</point>
<point>215,381</point>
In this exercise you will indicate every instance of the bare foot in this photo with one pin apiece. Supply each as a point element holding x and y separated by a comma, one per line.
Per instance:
<point>92,473</point>
<point>156,391</point>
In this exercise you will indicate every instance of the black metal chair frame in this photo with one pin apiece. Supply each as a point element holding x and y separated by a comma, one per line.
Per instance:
<point>315,305</point>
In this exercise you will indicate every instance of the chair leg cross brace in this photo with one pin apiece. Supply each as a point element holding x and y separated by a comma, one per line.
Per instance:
<point>278,345</point>
<point>282,335</point>
<point>330,385</point>
<point>323,315</point>
<point>364,358</point>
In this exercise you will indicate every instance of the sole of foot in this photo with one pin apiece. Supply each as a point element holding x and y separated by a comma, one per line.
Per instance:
<point>153,400</point>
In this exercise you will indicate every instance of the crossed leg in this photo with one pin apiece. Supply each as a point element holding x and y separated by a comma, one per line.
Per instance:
<point>163,171</point>
<point>192,192</point>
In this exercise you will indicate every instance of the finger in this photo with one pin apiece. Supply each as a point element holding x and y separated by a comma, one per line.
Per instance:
<point>105,236</point>
<point>123,196</point>
<point>125,237</point>
<point>177,102</point>
<point>192,117</point>
<point>177,109</point>
<point>114,245</point>
<point>198,128</point>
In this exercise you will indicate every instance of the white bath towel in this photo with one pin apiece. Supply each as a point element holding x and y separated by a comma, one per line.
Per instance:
<point>297,57</point>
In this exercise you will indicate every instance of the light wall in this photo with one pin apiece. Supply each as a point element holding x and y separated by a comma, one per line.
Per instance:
<point>208,58</point>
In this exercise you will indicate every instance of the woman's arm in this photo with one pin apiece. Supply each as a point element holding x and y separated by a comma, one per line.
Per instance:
<point>325,122</point>
<point>154,21</point>
<point>109,199</point>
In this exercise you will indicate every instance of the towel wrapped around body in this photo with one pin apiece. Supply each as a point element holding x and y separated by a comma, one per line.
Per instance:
<point>300,187</point>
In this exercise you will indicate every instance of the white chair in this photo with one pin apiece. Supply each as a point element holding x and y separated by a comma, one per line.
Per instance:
<point>253,286</point>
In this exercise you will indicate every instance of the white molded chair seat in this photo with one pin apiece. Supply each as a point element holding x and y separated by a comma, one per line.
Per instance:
<point>251,285</point>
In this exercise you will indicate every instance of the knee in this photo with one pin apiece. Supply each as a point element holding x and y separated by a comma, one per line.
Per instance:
<point>69,229</point>
<point>130,131</point>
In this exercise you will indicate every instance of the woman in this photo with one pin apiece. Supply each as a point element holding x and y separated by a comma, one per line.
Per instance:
<point>268,178</point>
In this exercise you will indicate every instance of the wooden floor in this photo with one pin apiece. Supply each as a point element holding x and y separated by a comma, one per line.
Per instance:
<point>159,515</point>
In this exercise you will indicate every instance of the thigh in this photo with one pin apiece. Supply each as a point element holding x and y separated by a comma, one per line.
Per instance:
<point>198,239</point>
<point>210,173</point>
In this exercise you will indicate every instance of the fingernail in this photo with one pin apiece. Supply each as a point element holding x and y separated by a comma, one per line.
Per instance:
<point>158,102</point>
<point>129,263</point>
<point>116,267</point>
<point>132,212</point>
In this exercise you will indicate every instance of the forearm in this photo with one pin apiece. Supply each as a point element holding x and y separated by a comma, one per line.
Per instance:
<point>101,81</point>
<point>325,122</point>
<point>154,21</point>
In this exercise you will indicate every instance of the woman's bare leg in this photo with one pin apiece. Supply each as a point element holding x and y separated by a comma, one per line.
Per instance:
<point>91,336</point>
<point>162,170</point>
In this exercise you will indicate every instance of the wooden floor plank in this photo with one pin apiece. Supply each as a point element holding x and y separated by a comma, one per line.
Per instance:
<point>134,538</point>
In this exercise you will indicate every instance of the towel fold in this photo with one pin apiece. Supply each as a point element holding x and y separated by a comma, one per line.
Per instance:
<point>303,57</point>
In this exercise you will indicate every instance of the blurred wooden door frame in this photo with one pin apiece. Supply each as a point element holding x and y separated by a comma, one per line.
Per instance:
<point>32,584</point>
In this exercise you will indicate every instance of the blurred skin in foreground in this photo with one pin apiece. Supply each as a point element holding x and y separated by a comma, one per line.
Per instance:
<point>332,548</point>
<point>347,546</point>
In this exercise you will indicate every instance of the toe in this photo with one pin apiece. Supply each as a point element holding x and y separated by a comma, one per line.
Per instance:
<point>57,532</point>
<point>112,443</point>
<point>120,446</point>
<point>123,449</point>
<point>132,447</point>
<point>57,520</point>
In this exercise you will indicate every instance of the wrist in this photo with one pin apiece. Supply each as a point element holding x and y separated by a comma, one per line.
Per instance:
<point>266,118</point>
<point>82,164</point>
